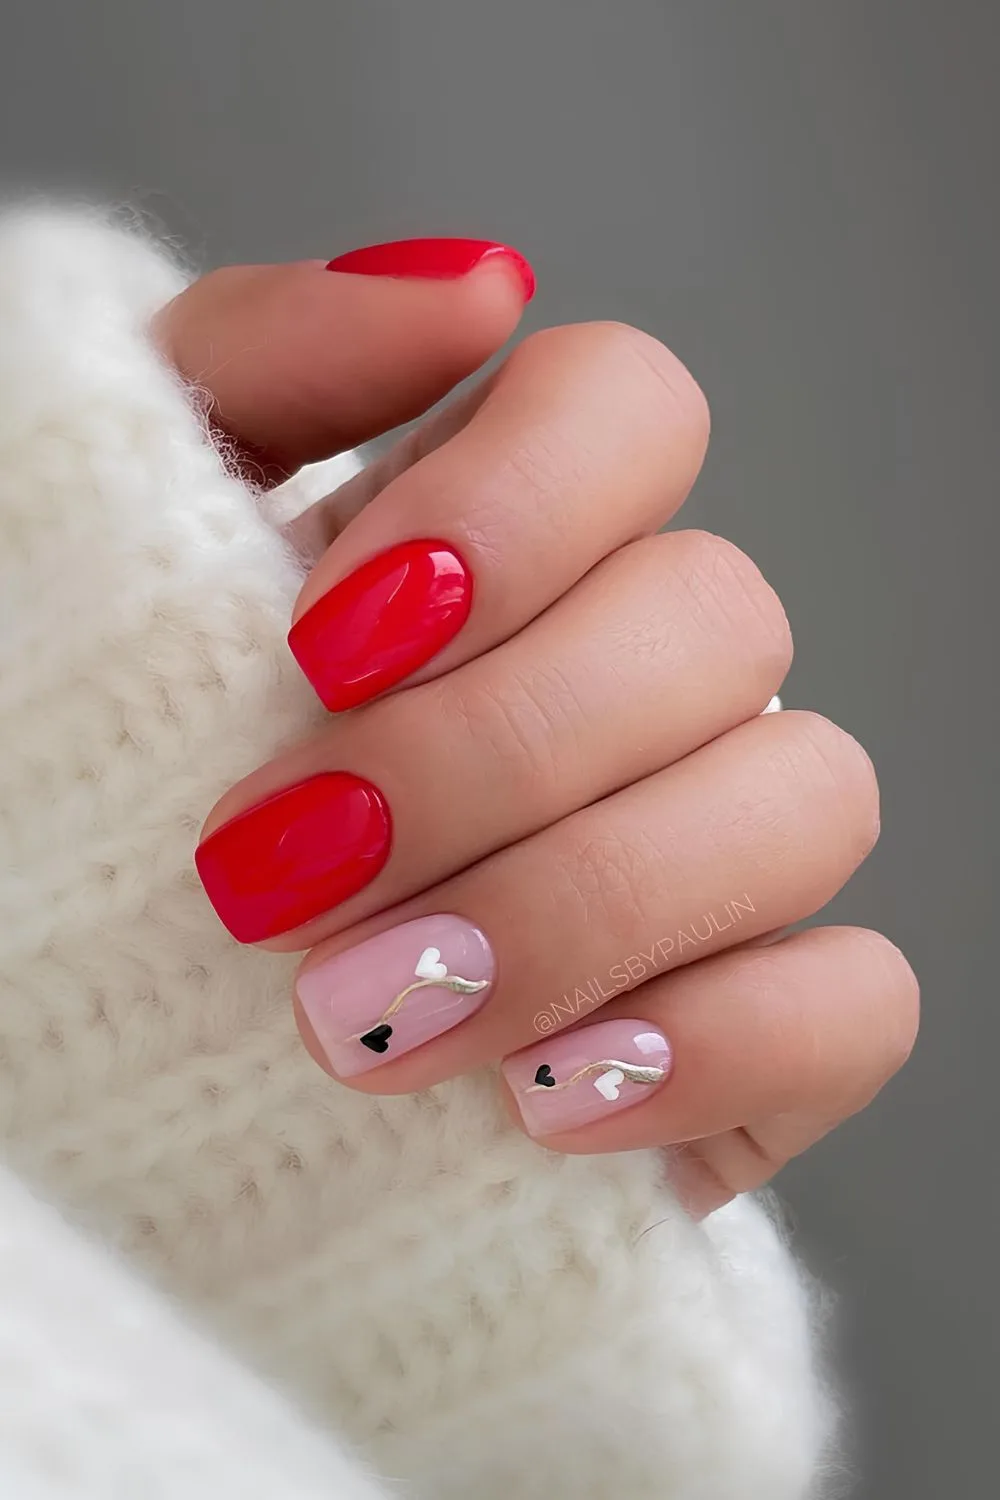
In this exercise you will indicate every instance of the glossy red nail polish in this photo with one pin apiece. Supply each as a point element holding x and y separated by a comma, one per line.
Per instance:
<point>295,855</point>
<point>432,259</point>
<point>382,622</point>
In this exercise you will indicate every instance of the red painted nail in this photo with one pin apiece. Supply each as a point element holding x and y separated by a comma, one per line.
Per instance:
<point>295,855</point>
<point>382,622</point>
<point>435,260</point>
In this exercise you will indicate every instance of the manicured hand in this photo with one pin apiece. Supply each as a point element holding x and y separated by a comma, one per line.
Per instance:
<point>549,823</point>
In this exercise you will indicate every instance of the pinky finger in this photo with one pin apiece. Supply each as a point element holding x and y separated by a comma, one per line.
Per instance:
<point>769,1048</point>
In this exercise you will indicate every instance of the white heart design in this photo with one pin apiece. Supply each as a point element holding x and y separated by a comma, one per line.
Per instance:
<point>608,1083</point>
<point>429,965</point>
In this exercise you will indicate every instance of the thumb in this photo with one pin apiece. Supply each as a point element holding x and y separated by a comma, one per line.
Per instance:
<point>302,361</point>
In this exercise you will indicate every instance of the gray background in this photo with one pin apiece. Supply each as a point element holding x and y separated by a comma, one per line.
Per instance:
<point>798,197</point>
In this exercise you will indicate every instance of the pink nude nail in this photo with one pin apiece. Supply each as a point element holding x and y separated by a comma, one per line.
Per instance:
<point>374,1002</point>
<point>584,1074</point>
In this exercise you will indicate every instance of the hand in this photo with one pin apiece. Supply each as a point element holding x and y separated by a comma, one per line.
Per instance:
<point>552,825</point>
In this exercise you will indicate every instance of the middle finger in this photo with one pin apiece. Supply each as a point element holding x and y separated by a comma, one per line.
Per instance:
<point>664,646</point>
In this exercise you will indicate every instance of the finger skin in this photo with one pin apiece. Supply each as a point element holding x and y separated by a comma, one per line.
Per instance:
<point>588,437</point>
<point>772,1047</point>
<point>299,363</point>
<point>756,830</point>
<point>318,527</point>
<point>666,645</point>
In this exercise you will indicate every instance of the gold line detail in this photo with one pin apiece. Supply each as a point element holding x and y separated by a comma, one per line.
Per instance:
<point>632,1071</point>
<point>453,982</point>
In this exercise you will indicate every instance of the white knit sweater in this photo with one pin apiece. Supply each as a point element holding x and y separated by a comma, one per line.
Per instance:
<point>239,1259</point>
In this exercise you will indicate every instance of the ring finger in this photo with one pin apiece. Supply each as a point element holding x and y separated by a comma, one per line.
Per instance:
<point>753,831</point>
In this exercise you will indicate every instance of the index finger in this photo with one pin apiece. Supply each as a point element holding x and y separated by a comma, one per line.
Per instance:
<point>587,438</point>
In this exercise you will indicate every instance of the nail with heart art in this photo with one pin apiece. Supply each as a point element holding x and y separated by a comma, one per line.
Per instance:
<point>395,991</point>
<point>429,970</point>
<point>587,1071</point>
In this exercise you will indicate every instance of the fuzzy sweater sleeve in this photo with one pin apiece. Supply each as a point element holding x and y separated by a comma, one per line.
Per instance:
<point>106,1394</point>
<point>474,1315</point>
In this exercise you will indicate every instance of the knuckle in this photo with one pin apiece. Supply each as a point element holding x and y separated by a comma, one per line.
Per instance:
<point>727,586</point>
<point>670,381</point>
<point>601,394</point>
<point>545,462</point>
<point>546,467</point>
<point>526,723</point>
<point>824,755</point>
<point>611,877</point>
<point>637,362</point>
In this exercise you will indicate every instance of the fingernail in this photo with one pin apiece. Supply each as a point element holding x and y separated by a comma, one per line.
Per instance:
<point>388,995</point>
<point>585,1074</point>
<point>382,622</point>
<point>433,260</point>
<point>295,855</point>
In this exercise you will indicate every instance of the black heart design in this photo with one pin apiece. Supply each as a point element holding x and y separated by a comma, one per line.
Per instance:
<point>544,1077</point>
<point>378,1038</point>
